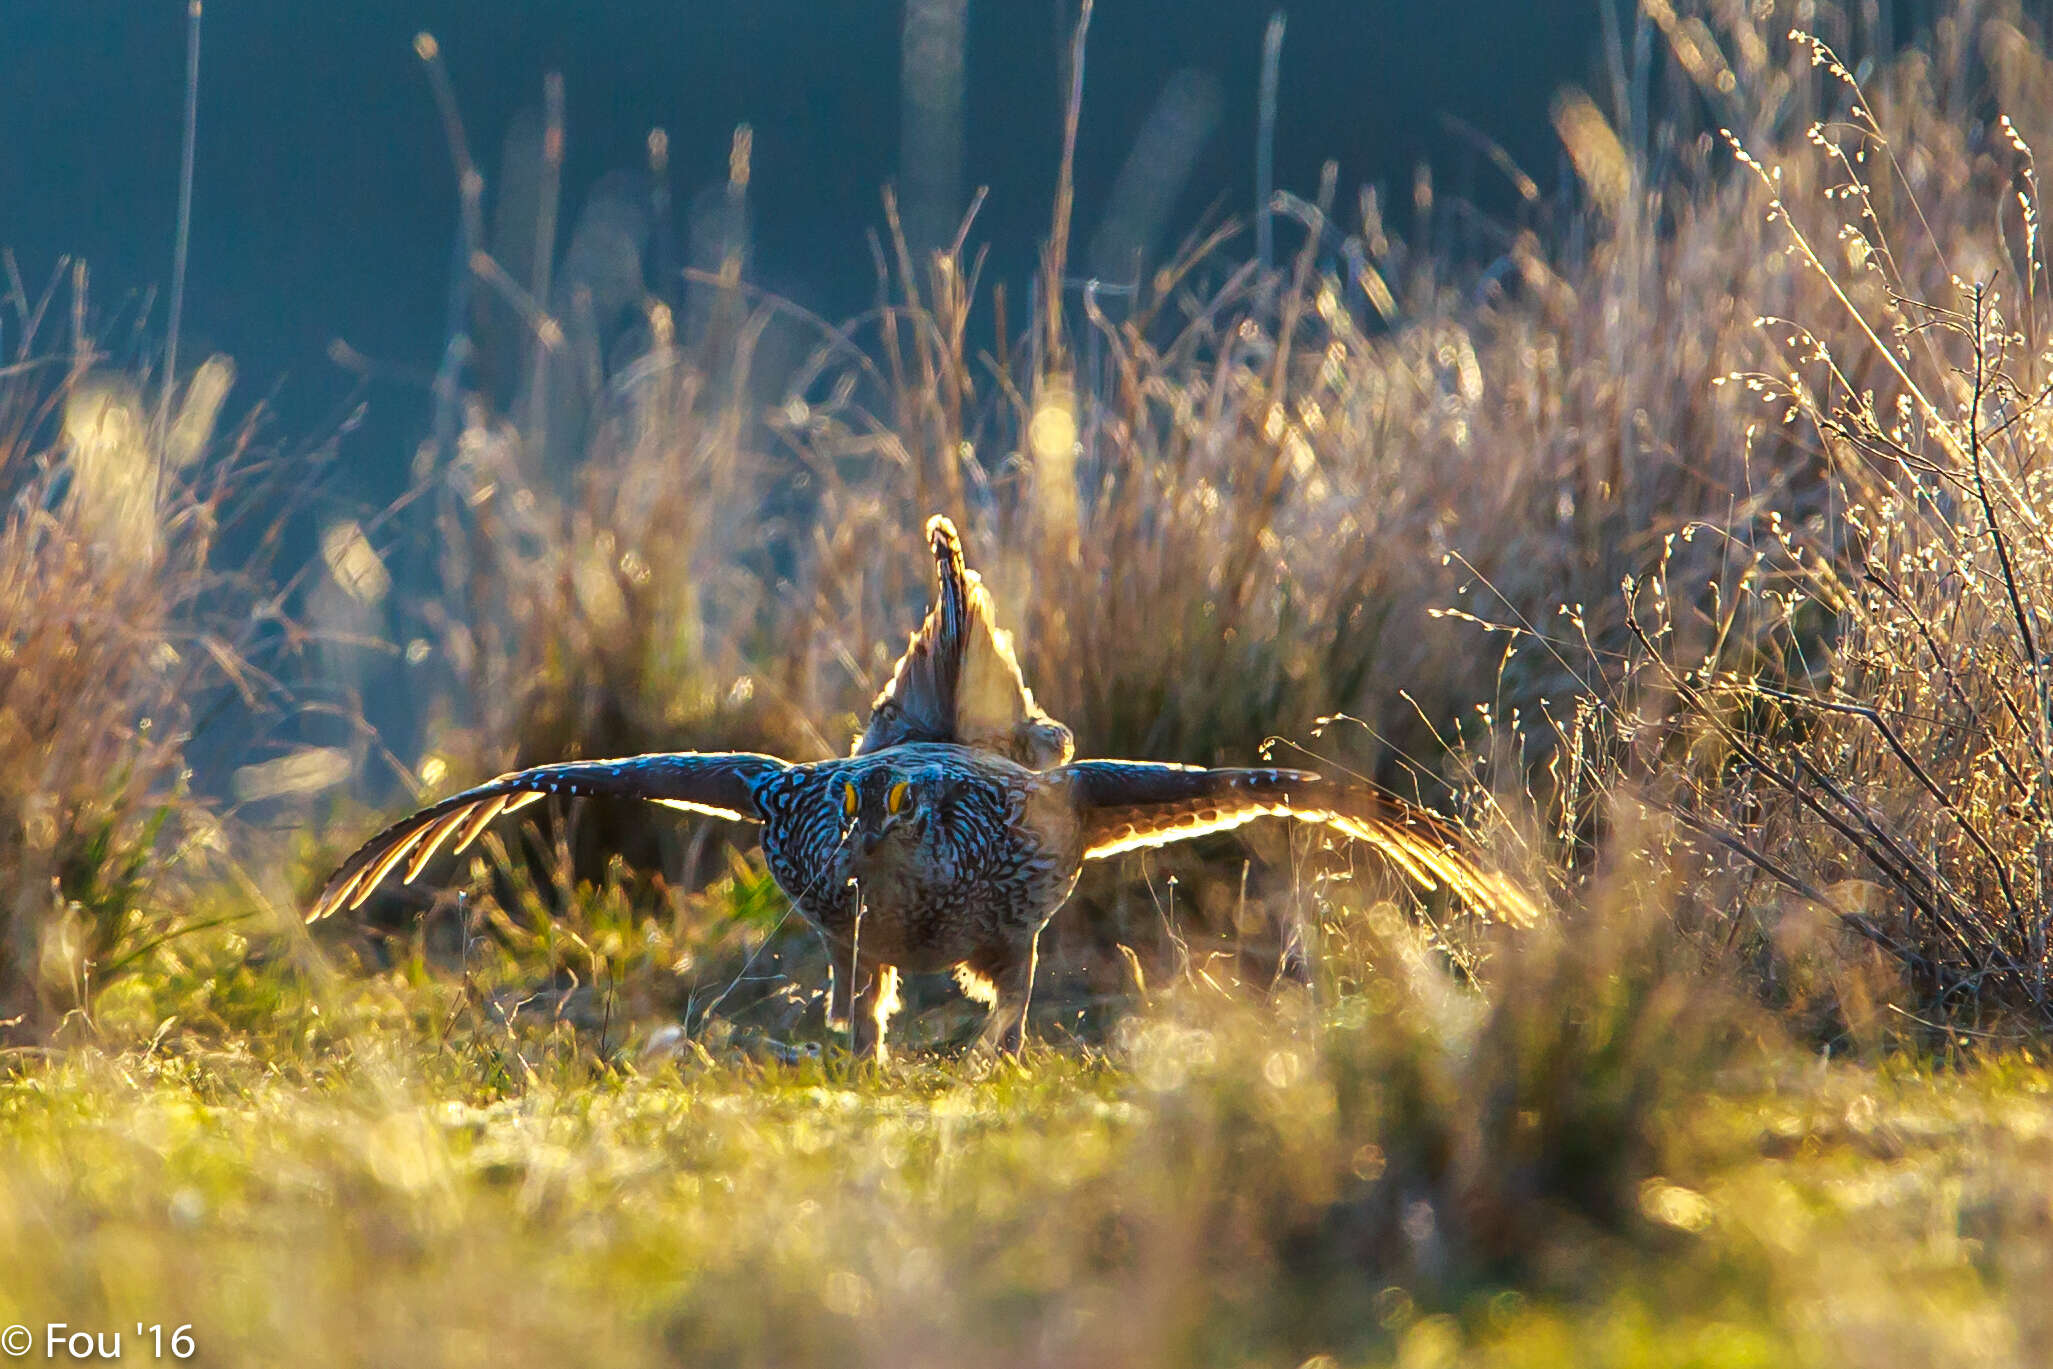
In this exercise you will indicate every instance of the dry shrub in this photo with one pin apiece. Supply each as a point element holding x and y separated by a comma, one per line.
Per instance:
<point>108,654</point>
<point>1893,773</point>
<point>1837,685</point>
<point>1825,660</point>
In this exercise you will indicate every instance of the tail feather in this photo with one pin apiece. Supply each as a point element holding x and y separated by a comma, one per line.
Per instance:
<point>959,680</point>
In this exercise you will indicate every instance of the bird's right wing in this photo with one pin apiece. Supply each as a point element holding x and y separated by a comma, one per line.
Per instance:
<point>1125,805</point>
<point>721,784</point>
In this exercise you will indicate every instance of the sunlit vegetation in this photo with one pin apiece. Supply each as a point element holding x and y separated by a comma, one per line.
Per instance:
<point>1691,548</point>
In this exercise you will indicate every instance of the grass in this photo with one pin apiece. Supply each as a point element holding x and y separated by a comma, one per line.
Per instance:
<point>1691,546</point>
<point>1061,1211</point>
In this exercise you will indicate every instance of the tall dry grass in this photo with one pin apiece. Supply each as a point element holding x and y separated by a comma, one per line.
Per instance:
<point>1233,504</point>
<point>1835,683</point>
<point>115,640</point>
<point>666,510</point>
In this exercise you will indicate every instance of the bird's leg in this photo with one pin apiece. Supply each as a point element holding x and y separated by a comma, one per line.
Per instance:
<point>875,999</point>
<point>1009,969</point>
<point>861,997</point>
<point>839,976</point>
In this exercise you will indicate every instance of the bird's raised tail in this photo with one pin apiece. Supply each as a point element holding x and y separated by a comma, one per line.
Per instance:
<point>959,680</point>
<point>1124,805</point>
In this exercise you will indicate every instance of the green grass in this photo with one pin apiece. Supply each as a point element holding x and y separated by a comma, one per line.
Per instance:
<point>365,1211</point>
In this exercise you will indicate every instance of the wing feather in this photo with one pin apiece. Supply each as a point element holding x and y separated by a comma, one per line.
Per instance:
<point>722,784</point>
<point>431,837</point>
<point>476,820</point>
<point>1126,805</point>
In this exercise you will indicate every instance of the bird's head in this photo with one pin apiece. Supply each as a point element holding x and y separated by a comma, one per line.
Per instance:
<point>882,809</point>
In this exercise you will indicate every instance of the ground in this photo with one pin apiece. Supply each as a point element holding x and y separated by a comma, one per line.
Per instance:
<point>377,1208</point>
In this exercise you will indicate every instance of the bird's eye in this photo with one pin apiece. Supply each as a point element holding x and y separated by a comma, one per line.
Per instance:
<point>899,797</point>
<point>848,799</point>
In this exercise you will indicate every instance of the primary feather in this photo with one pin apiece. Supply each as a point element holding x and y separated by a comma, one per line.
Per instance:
<point>717,784</point>
<point>1127,805</point>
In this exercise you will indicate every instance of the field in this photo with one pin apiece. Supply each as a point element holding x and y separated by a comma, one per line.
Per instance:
<point>1684,537</point>
<point>1205,1197</point>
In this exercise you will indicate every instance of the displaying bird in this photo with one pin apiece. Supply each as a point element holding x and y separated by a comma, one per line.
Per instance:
<point>939,845</point>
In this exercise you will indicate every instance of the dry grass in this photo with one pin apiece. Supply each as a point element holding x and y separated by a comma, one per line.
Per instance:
<point>115,641</point>
<point>1233,505</point>
<point>1837,686</point>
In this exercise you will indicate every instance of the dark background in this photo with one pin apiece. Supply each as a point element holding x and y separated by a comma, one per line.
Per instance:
<point>326,205</point>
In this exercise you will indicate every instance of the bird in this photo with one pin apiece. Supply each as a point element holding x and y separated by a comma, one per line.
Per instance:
<point>957,829</point>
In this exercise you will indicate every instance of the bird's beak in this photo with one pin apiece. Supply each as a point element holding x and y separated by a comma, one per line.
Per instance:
<point>870,838</point>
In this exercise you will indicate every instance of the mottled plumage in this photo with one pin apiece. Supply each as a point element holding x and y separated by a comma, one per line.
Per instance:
<point>956,830</point>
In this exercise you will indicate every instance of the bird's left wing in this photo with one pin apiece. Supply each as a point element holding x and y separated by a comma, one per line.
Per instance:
<point>1124,805</point>
<point>721,784</point>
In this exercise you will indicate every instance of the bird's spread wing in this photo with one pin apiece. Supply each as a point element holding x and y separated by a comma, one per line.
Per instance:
<point>721,784</point>
<point>959,680</point>
<point>1128,804</point>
